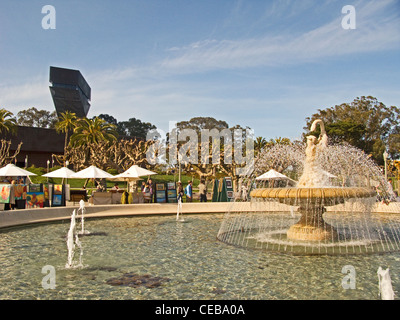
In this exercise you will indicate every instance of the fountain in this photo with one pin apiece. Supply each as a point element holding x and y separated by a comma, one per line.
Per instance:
<point>385,284</point>
<point>70,240</point>
<point>311,195</point>
<point>73,242</point>
<point>332,216</point>
<point>82,209</point>
<point>179,212</point>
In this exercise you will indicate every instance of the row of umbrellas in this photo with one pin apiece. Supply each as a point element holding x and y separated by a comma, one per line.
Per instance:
<point>92,172</point>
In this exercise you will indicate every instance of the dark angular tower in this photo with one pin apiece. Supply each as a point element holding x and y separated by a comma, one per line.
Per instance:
<point>70,91</point>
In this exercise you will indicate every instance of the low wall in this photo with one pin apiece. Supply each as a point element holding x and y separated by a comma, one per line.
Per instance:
<point>11,218</point>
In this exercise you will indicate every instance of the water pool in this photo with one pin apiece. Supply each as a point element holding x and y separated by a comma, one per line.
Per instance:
<point>179,261</point>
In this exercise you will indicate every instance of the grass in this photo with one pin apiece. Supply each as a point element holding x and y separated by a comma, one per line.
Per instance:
<point>79,183</point>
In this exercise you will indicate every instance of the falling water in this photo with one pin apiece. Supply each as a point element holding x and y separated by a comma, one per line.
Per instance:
<point>82,209</point>
<point>362,224</point>
<point>179,211</point>
<point>385,284</point>
<point>73,242</point>
<point>70,241</point>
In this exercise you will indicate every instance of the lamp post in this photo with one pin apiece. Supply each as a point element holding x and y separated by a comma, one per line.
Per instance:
<point>385,155</point>
<point>66,164</point>
<point>179,161</point>
<point>26,161</point>
<point>48,165</point>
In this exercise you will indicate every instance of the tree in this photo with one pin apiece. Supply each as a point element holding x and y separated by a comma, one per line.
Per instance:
<point>135,128</point>
<point>66,124</point>
<point>33,117</point>
<point>7,123</point>
<point>226,151</point>
<point>108,118</point>
<point>199,123</point>
<point>93,131</point>
<point>90,137</point>
<point>132,128</point>
<point>118,155</point>
<point>365,123</point>
<point>5,156</point>
<point>259,144</point>
<point>279,140</point>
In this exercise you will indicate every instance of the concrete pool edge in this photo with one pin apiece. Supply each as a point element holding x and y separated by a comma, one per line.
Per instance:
<point>11,218</point>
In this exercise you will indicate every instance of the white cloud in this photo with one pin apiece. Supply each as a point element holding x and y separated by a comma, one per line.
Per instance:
<point>32,93</point>
<point>375,31</point>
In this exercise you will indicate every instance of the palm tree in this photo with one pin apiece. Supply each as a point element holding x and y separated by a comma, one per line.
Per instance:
<point>93,131</point>
<point>259,144</point>
<point>7,125</point>
<point>66,124</point>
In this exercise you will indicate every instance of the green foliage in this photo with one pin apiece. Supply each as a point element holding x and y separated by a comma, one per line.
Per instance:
<point>135,128</point>
<point>66,124</point>
<point>199,123</point>
<point>96,130</point>
<point>33,117</point>
<point>365,123</point>
<point>132,128</point>
<point>7,123</point>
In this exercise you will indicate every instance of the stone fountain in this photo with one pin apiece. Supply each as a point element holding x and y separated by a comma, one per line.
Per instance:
<point>320,214</point>
<point>311,195</point>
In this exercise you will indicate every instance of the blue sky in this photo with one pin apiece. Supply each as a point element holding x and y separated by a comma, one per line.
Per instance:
<point>263,64</point>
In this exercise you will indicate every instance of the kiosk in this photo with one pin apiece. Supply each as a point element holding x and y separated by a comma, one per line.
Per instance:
<point>161,194</point>
<point>171,192</point>
<point>223,190</point>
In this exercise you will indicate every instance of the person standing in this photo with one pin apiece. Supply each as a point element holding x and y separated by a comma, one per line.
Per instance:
<point>203,191</point>
<point>151,187</point>
<point>179,192</point>
<point>189,192</point>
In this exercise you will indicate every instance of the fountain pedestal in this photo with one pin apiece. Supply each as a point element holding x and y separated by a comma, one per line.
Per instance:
<point>311,226</point>
<point>312,203</point>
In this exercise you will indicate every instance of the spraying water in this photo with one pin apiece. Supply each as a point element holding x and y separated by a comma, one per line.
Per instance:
<point>179,211</point>
<point>333,209</point>
<point>82,209</point>
<point>70,241</point>
<point>385,284</point>
<point>73,242</point>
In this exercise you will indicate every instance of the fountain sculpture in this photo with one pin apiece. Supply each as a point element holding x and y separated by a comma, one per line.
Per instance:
<point>317,216</point>
<point>311,195</point>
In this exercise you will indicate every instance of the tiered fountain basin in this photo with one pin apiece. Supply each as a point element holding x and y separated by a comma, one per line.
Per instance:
<point>311,204</point>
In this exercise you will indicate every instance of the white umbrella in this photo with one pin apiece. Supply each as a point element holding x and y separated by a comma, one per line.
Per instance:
<point>92,173</point>
<point>133,173</point>
<point>272,174</point>
<point>11,170</point>
<point>63,172</point>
